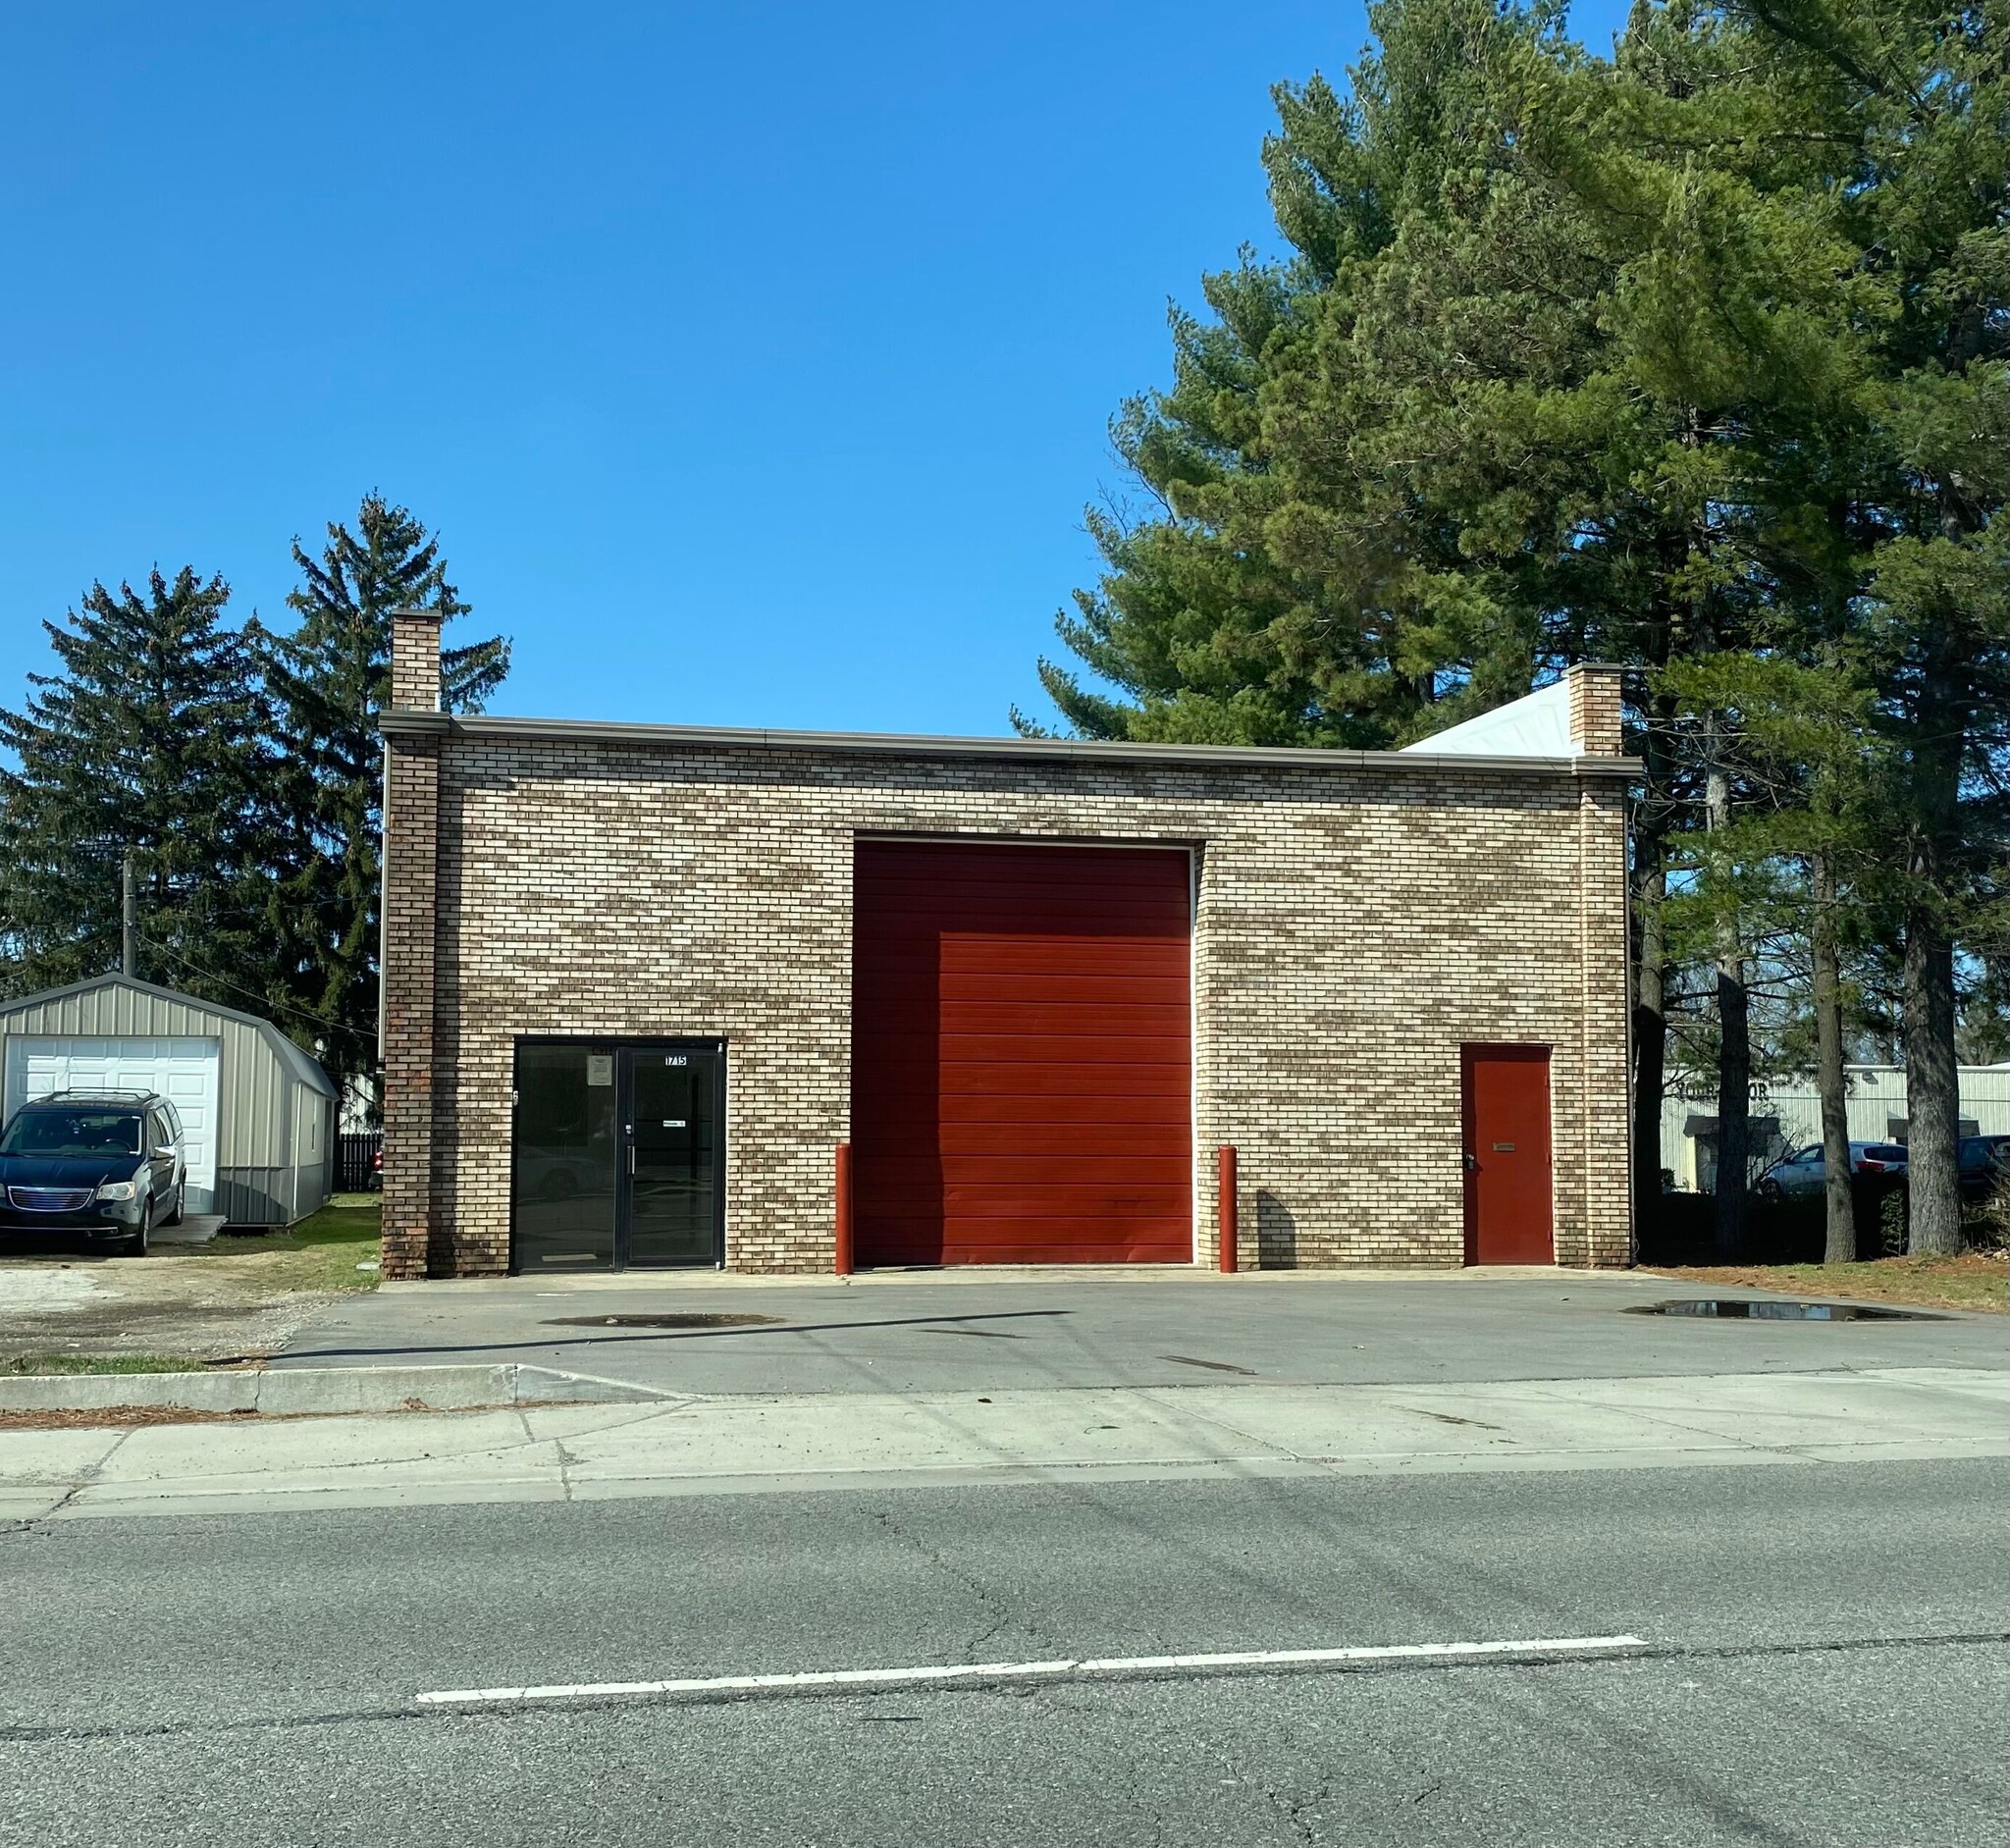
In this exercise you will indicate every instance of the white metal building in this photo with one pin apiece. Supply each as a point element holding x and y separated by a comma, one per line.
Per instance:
<point>258,1114</point>
<point>1787,1116</point>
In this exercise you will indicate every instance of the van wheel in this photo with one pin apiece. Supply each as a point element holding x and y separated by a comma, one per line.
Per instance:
<point>137,1243</point>
<point>181,1201</point>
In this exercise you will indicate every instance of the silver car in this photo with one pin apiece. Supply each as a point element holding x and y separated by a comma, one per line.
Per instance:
<point>1804,1173</point>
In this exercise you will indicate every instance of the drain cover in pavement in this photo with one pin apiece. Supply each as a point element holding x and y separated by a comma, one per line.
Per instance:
<point>660,1321</point>
<point>1731,1309</point>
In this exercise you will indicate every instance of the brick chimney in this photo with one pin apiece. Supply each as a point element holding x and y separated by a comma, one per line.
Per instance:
<point>415,661</point>
<point>1596,706</point>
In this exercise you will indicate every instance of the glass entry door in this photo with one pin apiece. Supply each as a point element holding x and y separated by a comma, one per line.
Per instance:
<point>618,1155</point>
<point>670,1113</point>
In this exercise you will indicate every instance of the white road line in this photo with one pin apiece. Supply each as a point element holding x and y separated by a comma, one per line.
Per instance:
<point>1019,1670</point>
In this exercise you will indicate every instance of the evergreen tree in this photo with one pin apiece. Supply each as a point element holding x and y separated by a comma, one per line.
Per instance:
<point>1810,852</point>
<point>1333,556</point>
<point>330,678</point>
<point>1926,89</point>
<point>148,740</point>
<point>1670,151</point>
<point>1872,143</point>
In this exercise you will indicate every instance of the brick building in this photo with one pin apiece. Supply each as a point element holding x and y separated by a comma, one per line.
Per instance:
<point>641,982</point>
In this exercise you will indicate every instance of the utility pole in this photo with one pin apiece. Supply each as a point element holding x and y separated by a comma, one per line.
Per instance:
<point>128,922</point>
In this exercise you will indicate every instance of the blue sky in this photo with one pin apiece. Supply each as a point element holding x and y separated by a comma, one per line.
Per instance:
<point>752,360</point>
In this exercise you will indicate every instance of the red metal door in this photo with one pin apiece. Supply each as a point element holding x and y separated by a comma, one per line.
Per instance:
<point>1022,1049</point>
<point>1508,1204</point>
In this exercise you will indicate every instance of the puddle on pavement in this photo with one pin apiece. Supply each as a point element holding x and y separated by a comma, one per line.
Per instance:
<point>662,1321</point>
<point>1732,1309</point>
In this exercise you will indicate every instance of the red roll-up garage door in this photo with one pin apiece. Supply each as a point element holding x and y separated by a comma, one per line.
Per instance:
<point>1021,1055</point>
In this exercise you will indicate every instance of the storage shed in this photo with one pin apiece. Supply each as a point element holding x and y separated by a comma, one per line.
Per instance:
<point>257,1112</point>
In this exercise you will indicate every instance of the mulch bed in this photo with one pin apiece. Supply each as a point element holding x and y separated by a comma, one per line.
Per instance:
<point>89,1418</point>
<point>103,1417</point>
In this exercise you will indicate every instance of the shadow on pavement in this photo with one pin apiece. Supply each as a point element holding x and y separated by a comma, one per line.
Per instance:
<point>654,1338</point>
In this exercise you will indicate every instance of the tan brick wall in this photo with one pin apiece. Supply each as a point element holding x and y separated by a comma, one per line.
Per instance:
<point>411,785</point>
<point>1354,927</point>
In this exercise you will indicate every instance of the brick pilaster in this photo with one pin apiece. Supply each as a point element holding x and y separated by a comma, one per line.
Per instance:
<point>407,947</point>
<point>1604,974</point>
<point>415,661</point>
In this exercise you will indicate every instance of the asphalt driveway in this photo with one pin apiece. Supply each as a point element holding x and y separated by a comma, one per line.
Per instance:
<point>922,1332</point>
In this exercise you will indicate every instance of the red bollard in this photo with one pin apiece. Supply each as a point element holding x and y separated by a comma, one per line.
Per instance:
<point>1225,1190</point>
<point>844,1209</point>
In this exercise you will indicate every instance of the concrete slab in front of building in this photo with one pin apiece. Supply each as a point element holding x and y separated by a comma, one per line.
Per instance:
<point>975,1331</point>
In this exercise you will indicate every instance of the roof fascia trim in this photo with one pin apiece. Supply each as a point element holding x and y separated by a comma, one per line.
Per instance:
<point>1061,749</point>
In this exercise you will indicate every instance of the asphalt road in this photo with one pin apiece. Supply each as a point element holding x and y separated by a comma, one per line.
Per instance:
<point>922,1335</point>
<point>1824,1662</point>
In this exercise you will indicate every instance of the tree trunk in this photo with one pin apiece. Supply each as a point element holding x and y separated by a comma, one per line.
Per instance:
<point>1932,1095</point>
<point>1733,1105</point>
<point>1932,1083</point>
<point>1734,1050</point>
<point>1840,1246</point>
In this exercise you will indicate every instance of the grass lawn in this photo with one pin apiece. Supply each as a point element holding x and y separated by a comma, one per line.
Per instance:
<point>1976,1280</point>
<point>101,1363</point>
<point>321,1253</point>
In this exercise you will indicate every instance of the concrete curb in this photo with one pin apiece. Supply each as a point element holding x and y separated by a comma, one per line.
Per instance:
<point>322,1390</point>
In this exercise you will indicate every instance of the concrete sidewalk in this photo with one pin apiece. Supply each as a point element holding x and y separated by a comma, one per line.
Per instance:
<point>700,1446</point>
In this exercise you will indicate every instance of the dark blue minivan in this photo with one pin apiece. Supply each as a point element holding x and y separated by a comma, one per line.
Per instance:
<point>108,1164</point>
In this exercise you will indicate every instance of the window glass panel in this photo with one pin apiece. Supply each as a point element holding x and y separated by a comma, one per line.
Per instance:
<point>567,1148</point>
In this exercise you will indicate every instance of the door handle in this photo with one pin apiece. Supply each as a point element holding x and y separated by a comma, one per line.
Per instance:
<point>631,1157</point>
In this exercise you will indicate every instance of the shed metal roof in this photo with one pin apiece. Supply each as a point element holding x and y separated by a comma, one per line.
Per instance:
<point>291,1057</point>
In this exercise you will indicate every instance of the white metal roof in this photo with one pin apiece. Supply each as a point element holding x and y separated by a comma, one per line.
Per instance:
<point>1536,725</point>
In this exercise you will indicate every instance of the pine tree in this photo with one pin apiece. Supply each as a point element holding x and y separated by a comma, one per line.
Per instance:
<point>148,740</point>
<point>1926,89</point>
<point>1810,850</point>
<point>330,678</point>
<point>1301,576</point>
<point>1876,137</point>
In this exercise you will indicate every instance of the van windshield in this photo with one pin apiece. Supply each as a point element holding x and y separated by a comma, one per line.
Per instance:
<point>73,1132</point>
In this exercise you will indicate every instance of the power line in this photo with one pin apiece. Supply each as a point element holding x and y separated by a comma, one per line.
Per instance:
<point>317,1020</point>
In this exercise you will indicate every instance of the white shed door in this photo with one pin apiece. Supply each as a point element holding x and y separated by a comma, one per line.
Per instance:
<point>182,1071</point>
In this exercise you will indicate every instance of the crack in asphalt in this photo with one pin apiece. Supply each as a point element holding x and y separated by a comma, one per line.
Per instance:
<point>1002,1615</point>
<point>409,1714</point>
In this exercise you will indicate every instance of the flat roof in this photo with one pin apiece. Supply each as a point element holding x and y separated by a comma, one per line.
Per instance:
<point>408,722</point>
